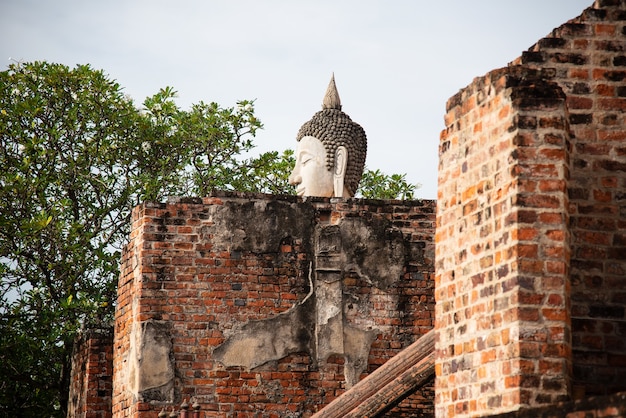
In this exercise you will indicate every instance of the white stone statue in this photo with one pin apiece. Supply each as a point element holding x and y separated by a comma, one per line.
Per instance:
<point>330,156</point>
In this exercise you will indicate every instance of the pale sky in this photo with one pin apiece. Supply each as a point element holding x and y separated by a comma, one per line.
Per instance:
<point>396,62</point>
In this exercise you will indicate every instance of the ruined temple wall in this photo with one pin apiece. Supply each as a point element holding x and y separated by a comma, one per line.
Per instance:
<point>224,299</point>
<point>531,255</point>
<point>91,384</point>
<point>502,247</point>
<point>588,58</point>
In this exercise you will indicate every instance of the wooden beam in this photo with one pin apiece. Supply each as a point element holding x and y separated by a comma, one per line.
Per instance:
<point>418,356</point>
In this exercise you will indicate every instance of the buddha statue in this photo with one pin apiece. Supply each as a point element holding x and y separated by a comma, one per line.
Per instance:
<point>330,155</point>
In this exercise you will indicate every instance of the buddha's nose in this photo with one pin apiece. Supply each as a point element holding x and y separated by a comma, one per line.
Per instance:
<point>295,178</point>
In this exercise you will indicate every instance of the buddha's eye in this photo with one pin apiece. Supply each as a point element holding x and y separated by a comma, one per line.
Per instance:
<point>306,158</point>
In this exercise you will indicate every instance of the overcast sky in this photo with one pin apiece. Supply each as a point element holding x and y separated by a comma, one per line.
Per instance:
<point>396,62</point>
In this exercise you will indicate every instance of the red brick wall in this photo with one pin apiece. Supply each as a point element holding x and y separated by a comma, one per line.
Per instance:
<point>502,247</point>
<point>417,405</point>
<point>588,57</point>
<point>531,220</point>
<point>92,375</point>
<point>177,270</point>
<point>613,406</point>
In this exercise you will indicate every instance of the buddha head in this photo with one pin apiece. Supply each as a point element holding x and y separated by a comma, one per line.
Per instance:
<point>330,155</point>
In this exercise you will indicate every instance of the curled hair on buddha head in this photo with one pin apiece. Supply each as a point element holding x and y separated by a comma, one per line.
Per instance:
<point>334,129</point>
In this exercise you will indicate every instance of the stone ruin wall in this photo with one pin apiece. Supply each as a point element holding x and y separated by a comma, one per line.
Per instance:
<point>531,225</point>
<point>267,306</point>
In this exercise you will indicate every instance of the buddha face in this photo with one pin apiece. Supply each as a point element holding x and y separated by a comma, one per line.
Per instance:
<point>310,175</point>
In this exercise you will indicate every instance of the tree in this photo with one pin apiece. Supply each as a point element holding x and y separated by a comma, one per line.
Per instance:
<point>64,200</point>
<point>76,156</point>
<point>196,151</point>
<point>377,185</point>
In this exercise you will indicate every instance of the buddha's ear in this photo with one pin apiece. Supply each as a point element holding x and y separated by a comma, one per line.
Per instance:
<point>339,171</point>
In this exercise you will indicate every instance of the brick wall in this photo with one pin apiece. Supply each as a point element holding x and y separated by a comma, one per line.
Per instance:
<point>531,255</point>
<point>588,56</point>
<point>203,280</point>
<point>613,406</point>
<point>92,375</point>
<point>419,404</point>
<point>502,247</point>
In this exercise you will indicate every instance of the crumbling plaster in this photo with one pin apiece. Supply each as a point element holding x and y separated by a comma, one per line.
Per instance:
<point>151,366</point>
<point>327,321</point>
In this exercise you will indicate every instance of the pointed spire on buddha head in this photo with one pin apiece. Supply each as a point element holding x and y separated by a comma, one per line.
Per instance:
<point>331,98</point>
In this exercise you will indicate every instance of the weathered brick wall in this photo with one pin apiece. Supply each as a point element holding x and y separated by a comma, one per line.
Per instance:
<point>92,375</point>
<point>211,288</point>
<point>531,221</point>
<point>613,406</point>
<point>417,405</point>
<point>502,246</point>
<point>588,56</point>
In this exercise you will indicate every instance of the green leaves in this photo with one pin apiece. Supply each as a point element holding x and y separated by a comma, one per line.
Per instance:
<point>64,203</point>
<point>76,156</point>
<point>36,224</point>
<point>216,138</point>
<point>195,151</point>
<point>377,185</point>
<point>267,173</point>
